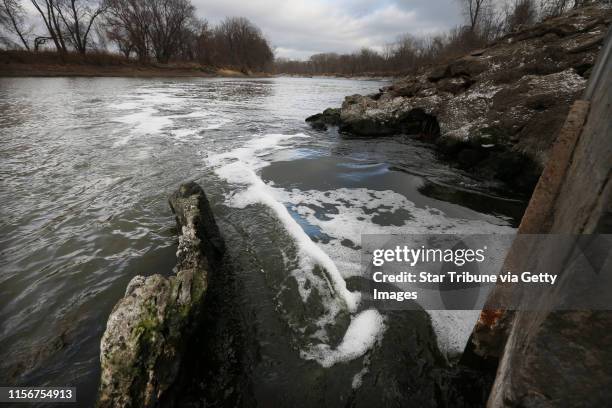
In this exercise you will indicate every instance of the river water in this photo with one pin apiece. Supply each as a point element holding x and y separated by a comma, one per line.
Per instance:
<point>87,166</point>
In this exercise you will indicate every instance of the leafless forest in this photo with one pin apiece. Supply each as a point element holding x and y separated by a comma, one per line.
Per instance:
<point>145,30</point>
<point>166,31</point>
<point>485,21</point>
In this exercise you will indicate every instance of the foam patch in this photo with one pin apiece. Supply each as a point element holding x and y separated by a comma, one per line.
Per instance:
<point>154,111</point>
<point>365,330</point>
<point>240,169</point>
<point>342,215</point>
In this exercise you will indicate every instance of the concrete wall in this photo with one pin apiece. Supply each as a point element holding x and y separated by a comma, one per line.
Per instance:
<point>548,358</point>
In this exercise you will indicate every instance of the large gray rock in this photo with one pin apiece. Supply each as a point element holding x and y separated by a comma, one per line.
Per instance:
<point>146,334</point>
<point>516,92</point>
<point>329,116</point>
<point>511,97</point>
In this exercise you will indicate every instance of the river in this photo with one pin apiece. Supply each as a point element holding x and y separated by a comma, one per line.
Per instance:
<point>87,165</point>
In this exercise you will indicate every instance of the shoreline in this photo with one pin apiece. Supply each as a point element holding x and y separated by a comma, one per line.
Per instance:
<point>14,70</point>
<point>364,76</point>
<point>494,112</point>
<point>17,70</point>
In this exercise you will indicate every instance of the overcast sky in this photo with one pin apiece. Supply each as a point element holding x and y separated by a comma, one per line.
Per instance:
<point>300,28</point>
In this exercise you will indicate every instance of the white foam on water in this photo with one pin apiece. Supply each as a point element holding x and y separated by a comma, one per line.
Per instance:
<point>354,215</point>
<point>355,212</point>
<point>259,192</point>
<point>143,122</point>
<point>358,378</point>
<point>238,167</point>
<point>217,123</point>
<point>146,121</point>
<point>163,97</point>
<point>357,208</point>
<point>365,330</point>
<point>453,329</point>
<point>185,135</point>
<point>157,110</point>
<point>194,114</point>
<point>252,150</point>
<point>126,106</point>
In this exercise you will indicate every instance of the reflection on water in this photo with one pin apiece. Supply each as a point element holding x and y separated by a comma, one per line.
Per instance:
<point>86,168</point>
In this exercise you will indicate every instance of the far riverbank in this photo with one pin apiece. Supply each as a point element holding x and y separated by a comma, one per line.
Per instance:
<point>48,64</point>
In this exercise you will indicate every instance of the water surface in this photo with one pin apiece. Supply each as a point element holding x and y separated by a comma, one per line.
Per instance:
<point>87,165</point>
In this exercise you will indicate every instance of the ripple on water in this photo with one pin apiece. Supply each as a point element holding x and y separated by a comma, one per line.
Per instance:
<point>87,165</point>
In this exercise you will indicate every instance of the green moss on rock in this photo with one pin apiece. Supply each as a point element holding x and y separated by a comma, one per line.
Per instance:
<point>146,334</point>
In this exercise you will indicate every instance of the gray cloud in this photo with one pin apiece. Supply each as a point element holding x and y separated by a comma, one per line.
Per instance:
<point>299,28</point>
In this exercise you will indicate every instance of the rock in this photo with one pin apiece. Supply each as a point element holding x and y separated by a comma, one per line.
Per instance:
<point>361,115</point>
<point>517,91</point>
<point>146,334</point>
<point>558,354</point>
<point>437,73</point>
<point>433,384</point>
<point>477,53</point>
<point>408,89</point>
<point>376,96</point>
<point>468,66</point>
<point>469,157</point>
<point>454,85</point>
<point>586,44</point>
<point>319,121</point>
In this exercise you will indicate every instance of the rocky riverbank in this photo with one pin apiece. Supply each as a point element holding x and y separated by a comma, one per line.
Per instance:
<point>555,355</point>
<point>182,340</point>
<point>494,112</point>
<point>163,320</point>
<point>179,340</point>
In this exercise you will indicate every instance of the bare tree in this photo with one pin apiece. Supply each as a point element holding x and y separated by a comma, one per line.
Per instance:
<point>243,44</point>
<point>484,22</point>
<point>552,8</point>
<point>195,42</point>
<point>203,43</point>
<point>12,18</point>
<point>473,10</point>
<point>491,23</point>
<point>583,3</point>
<point>47,9</point>
<point>78,17</point>
<point>169,21</point>
<point>128,22</point>
<point>410,54</point>
<point>157,27</point>
<point>121,38</point>
<point>522,13</point>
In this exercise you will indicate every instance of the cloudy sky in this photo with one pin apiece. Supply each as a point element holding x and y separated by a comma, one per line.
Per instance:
<point>300,28</point>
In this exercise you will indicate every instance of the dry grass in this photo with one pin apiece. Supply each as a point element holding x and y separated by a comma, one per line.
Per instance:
<point>51,57</point>
<point>19,63</point>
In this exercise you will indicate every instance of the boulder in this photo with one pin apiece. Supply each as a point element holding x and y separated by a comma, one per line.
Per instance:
<point>437,73</point>
<point>468,66</point>
<point>329,116</point>
<point>454,85</point>
<point>146,334</point>
<point>364,116</point>
<point>515,93</point>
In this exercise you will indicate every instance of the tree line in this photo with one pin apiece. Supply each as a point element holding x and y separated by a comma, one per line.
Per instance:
<point>485,21</point>
<point>146,30</point>
<point>168,30</point>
